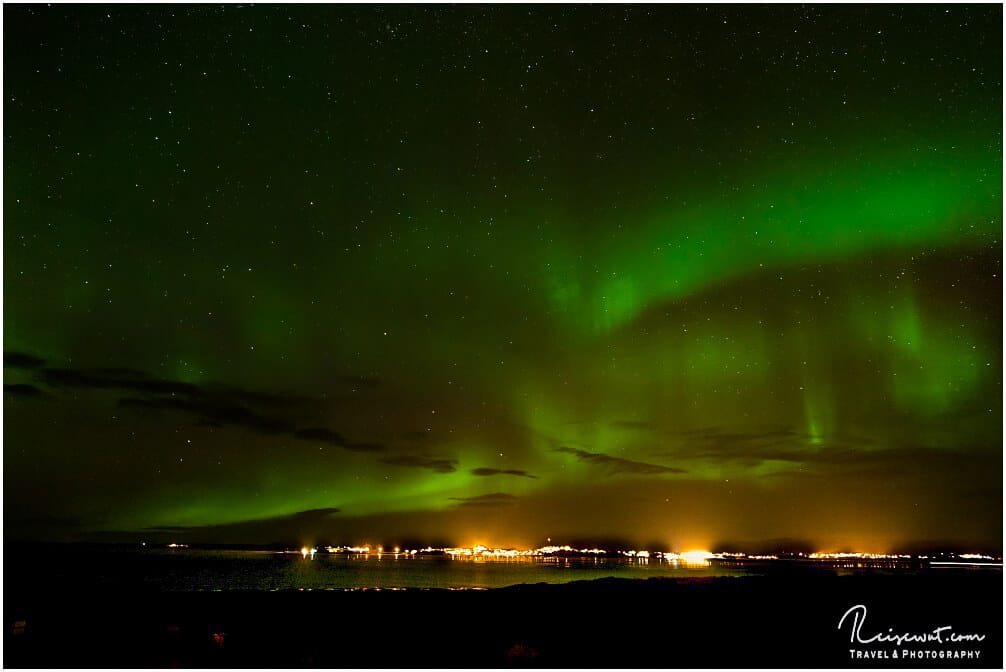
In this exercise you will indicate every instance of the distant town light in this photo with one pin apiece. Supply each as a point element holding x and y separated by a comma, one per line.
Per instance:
<point>696,557</point>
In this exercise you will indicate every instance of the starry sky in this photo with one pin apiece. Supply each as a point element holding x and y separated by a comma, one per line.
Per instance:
<point>675,275</point>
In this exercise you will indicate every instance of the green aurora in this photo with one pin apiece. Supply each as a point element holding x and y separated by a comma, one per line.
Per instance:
<point>681,275</point>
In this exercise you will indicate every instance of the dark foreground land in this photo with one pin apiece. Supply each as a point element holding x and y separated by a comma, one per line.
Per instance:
<point>787,620</point>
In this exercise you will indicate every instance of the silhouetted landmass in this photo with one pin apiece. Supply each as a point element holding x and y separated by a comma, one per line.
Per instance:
<point>784,619</point>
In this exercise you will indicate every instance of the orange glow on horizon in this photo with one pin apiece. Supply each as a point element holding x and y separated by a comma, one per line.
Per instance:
<point>696,557</point>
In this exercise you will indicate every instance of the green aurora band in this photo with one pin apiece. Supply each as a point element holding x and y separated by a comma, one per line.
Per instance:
<point>780,319</point>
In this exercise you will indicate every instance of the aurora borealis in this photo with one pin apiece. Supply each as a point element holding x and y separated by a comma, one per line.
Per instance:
<point>677,275</point>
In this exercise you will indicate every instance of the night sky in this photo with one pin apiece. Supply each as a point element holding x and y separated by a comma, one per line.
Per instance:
<point>678,275</point>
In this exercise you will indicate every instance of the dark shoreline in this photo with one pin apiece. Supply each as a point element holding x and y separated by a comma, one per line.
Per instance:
<point>755,621</point>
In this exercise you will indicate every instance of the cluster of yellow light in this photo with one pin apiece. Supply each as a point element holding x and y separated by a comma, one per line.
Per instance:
<point>366,550</point>
<point>637,554</point>
<point>481,551</point>
<point>696,557</point>
<point>687,558</point>
<point>308,551</point>
<point>857,556</point>
<point>549,550</point>
<point>176,545</point>
<point>348,549</point>
<point>502,553</point>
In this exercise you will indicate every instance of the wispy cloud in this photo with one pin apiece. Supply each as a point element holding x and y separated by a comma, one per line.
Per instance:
<point>438,464</point>
<point>333,438</point>
<point>489,471</point>
<point>263,412</point>
<point>618,465</point>
<point>24,391</point>
<point>215,412</point>
<point>493,499</point>
<point>21,360</point>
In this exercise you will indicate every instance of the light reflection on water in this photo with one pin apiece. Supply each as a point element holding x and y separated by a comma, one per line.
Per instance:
<point>434,572</point>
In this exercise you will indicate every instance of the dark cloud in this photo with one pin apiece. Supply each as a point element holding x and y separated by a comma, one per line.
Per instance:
<point>437,464</point>
<point>618,465</point>
<point>838,454</point>
<point>849,456</point>
<point>274,400</point>
<point>21,360</point>
<point>114,379</point>
<point>873,464</point>
<point>214,413</point>
<point>213,405</point>
<point>332,438</point>
<point>489,471</point>
<point>134,380</point>
<point>365,447</point>
<point>122,371</point>
<point>490,500</point>
<point>717,437</point>
<point>716,433</point>
<point>741,448</point>
<point>24,391</point>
